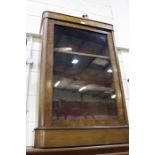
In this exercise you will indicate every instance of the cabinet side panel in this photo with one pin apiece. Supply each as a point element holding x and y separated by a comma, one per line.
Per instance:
<point>117,81</point>
<point>46,71</point>
<point>43,73</point>
<point>49,74</point>
<point>120,80</point>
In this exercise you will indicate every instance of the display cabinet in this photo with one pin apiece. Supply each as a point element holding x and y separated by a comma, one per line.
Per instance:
<point>81,100</point>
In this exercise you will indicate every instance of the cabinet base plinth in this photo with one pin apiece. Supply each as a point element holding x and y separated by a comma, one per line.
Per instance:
<point>49,138</point>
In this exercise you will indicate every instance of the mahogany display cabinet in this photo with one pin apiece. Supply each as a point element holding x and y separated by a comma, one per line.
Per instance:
<point>81,101</point>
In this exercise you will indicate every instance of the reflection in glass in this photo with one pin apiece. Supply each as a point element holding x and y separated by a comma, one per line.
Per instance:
<point>81,41</point>
<point>83,80</point>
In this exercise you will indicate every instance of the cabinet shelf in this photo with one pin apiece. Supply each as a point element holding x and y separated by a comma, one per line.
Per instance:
<point>69,51</point>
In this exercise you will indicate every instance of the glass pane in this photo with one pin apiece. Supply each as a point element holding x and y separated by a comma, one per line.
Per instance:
<point>83,84</point>
<point>70,39</point>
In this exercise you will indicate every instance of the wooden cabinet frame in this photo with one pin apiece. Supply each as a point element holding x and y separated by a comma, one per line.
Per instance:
<point>76,133</point>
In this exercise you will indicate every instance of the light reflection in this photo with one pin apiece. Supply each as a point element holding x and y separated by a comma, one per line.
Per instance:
<point>75,61</point>
<point>82,88</point>
<point>113,96</point>
<point>109,70</point>
<point>57,83</point>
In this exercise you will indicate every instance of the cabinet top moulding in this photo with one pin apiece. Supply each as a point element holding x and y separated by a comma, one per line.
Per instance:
<point>76,20</point>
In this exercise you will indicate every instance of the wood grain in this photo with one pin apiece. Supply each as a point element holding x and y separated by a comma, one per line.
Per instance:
<point>115,149</point>
<point>77,20</point>
<point>76,133</point>
<point>80,137</point>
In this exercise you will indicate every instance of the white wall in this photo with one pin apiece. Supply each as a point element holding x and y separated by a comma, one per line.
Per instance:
<point>32,103</point>
<point>120,12</point>
<point>110,11</point>
<point>97,10</point>
<point>123,56</point>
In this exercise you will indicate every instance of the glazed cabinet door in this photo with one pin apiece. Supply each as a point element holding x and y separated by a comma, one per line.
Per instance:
<point>85,82</point>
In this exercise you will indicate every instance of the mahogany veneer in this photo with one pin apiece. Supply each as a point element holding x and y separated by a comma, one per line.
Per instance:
<point>67,125</point>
